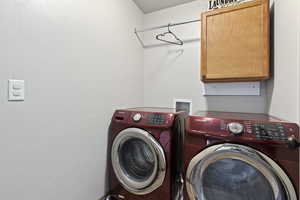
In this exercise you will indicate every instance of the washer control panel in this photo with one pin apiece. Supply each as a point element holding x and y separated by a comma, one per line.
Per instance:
<point>156,119</point>
<point>269,131</point>
<point>144,119</point>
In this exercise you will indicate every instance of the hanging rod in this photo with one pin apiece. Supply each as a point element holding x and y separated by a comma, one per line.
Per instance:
<point>160,27</point>
<point>167,25</point>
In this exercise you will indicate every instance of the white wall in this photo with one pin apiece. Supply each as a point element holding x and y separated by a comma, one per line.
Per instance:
<point>283,89</point>
<point>80,60</point>
<point>174,71</point>
<point>299,58</point>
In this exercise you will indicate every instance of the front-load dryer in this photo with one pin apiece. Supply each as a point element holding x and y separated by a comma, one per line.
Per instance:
<point>142,148</point>
<point>240,156</point>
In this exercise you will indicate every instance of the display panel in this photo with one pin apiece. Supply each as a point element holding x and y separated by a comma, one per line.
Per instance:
<point>156,119</point>
<point>269,131</point>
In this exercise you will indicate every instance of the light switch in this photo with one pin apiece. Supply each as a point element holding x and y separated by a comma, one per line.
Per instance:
<point>16,90</point>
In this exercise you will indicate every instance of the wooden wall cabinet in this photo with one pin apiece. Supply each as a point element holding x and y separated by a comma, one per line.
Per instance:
<point>235,43</point>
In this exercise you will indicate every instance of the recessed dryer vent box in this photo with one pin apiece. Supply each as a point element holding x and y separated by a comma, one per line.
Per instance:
<point>183,105</point>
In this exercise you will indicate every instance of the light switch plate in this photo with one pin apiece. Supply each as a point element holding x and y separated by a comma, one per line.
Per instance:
<point>16,90</point>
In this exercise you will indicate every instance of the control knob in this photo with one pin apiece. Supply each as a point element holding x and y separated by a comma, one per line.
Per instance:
<point>137,117</point>
<point>236,128</point>
<point>293,143</point>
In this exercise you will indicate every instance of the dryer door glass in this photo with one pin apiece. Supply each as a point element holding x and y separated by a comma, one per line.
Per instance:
<point>235,172</point>
<point>138,161</point>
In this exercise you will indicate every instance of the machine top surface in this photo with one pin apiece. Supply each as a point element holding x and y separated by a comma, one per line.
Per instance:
<point>153,110</point>
<point>238,116</point>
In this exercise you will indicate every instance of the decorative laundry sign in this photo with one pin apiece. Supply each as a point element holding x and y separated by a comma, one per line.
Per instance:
<point>216,4</point>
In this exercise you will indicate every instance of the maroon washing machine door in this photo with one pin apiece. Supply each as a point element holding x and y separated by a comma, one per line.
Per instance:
<point>236,172</point>
<point>138,161</point>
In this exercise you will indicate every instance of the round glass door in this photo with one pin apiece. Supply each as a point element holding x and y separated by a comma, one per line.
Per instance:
<point>138,161</point>
<point>235,172</point>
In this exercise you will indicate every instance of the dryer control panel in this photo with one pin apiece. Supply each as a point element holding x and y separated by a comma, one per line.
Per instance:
<point>242,127</point>
<point>270,131</point>
<point>278,131</point>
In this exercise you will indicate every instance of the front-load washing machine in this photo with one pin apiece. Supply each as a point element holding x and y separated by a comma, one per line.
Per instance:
<point>240,156</point>
<point>142,146</point>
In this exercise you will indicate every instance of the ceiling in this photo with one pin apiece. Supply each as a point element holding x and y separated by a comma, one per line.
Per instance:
<point>149,6</point>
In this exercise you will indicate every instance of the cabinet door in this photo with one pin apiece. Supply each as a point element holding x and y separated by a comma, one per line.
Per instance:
<point>235,43</point>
